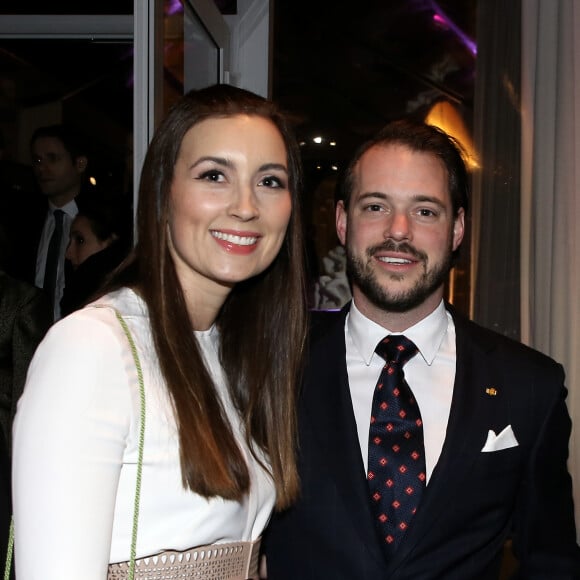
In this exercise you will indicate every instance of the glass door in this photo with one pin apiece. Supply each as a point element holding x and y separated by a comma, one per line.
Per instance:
<point>110,67</point>
<point>195,47</point>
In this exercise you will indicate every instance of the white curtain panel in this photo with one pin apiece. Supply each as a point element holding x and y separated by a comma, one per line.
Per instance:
<point>550,180</point>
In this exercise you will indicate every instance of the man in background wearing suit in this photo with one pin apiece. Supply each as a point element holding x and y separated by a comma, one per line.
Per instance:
<point>25,317</point>
<point>59,162</point>
<point>426,441</point>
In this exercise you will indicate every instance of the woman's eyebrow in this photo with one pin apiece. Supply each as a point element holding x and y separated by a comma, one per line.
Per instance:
<point>274,166</point>
<point>217,160</point>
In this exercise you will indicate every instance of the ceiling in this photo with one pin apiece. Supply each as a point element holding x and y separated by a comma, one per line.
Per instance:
<point>346,68</point>
<point>342,69</point>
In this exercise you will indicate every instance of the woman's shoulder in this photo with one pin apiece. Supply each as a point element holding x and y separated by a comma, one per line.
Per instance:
<point>98,321</point>
<point>124,301</point>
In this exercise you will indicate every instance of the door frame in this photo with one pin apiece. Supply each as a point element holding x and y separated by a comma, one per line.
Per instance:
<point>145,28</point>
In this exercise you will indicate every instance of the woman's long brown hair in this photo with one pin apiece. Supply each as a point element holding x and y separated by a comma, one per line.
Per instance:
<point>262,324</point>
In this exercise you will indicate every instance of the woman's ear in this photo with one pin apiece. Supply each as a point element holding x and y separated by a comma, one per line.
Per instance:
<point>106,243</point>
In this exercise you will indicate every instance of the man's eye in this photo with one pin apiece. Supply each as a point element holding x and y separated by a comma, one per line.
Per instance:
<point>48,158</point>
<point>425,212</point>
<point>373,207</point>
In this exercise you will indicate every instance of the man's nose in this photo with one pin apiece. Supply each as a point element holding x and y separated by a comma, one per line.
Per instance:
<point>39,166</point>
<point>398,226</point>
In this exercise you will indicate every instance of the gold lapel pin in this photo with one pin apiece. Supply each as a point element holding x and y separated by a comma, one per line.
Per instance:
<point>491,391</point>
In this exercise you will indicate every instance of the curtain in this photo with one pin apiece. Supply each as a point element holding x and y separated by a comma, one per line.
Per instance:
<point>495,255</point>
<point>550,194</point>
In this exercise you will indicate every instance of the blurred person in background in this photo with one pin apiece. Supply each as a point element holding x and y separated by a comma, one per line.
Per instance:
<point>25,316</point>
<point>59,161</point>
<point>99,240</point>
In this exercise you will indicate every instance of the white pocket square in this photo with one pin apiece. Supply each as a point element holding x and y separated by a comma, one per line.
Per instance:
<point>504,440</point>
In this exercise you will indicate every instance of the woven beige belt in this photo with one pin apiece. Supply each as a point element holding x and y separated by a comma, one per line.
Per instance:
<point>235,561</point>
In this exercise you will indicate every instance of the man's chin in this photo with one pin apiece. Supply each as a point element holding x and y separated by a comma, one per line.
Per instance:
<point>396,292</point>
<point>399,282</point>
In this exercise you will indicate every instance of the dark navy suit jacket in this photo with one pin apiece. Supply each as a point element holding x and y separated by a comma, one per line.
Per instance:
<point>474,501</point>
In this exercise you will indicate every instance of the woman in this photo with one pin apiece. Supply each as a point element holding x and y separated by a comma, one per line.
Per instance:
<point>98,243</point>
<point>213,296</point>
<point>94,229</point>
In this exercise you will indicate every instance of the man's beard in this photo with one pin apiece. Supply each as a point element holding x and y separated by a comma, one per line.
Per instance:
<point>364,277</point>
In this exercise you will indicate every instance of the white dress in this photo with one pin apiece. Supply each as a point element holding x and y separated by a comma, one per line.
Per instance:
<point>75,453</point>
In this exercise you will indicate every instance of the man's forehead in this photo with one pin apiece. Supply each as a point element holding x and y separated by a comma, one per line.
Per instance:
<point>388,151</point>
<point>48,145</point>
<point>397,165</point>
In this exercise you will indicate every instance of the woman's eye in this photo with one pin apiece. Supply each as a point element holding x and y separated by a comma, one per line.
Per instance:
<point>80,240</point>
<point>272,181</point>
<point>212,175</point>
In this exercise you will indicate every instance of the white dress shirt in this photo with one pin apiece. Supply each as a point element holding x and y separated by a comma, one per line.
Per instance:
<point>430,374</point>
<point>76,444</point>
<point>70,211</point>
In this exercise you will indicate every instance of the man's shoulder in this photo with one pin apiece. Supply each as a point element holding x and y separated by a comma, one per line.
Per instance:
<point>325,322</point>
<point>506,347</point>
<point>15,293</point>
<point>325,361</point>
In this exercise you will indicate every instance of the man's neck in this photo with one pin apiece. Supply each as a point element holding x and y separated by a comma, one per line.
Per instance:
<point>396,321</point>
<point>62,199</point>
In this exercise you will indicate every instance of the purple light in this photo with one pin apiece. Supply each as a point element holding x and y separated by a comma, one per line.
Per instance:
<point>173,7</point>
<point>441,18</point>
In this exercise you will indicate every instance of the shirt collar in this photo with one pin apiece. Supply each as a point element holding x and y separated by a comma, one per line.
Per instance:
<point>69,208</point>
<point>427,334</point>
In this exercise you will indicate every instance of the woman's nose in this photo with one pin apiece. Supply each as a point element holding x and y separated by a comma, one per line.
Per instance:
<point>69,253</point>
<point>244,206</point>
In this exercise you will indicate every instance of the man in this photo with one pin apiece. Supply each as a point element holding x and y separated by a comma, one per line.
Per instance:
<point>392,491</point>
<point>59,162</point>
<point>25,317</point>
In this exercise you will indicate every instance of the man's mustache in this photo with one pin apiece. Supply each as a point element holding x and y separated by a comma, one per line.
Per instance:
<point>402,247</point>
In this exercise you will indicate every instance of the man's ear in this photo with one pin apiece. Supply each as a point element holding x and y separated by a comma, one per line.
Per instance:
<point>458,228</point>
<point>341,222</point>
<point>81,163</point>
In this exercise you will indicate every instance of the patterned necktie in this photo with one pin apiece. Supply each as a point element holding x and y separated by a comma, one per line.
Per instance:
<point>53,254</point>
<point>396,466</point>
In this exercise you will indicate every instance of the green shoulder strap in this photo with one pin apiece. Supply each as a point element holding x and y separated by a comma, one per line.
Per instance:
<point>10,549</point>
<point>141,443</point>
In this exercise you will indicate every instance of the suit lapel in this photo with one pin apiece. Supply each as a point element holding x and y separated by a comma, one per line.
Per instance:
<point>473,412</point>
<point>336,434</point>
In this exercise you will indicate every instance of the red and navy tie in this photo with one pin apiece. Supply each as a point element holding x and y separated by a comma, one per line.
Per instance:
<point>396,461</point>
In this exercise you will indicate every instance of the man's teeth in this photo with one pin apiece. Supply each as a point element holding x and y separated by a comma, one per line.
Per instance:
<point>238,240</point>
<point>394,260</point>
